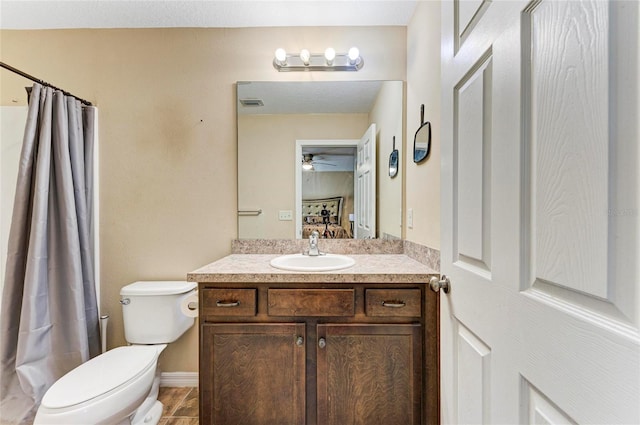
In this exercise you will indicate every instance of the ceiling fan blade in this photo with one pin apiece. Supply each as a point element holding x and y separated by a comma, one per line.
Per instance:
<point>328,154</point>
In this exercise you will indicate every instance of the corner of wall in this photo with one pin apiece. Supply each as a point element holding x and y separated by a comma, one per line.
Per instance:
<point>422,186</point>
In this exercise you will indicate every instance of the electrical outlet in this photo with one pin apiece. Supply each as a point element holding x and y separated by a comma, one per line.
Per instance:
<point>285,215</point>
<point>410,218</point>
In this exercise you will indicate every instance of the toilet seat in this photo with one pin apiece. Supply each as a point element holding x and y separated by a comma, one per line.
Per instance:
<point>101,375</point>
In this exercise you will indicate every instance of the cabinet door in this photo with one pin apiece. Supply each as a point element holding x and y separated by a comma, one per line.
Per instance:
<point>369,374</point>
<point>252,373</point>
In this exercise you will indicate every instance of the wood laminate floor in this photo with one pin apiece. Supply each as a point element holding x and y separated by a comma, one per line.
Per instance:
<point>180,405</point>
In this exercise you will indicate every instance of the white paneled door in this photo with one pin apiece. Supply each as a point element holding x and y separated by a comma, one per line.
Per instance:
<point>540,212</point>
<point>365,185</point>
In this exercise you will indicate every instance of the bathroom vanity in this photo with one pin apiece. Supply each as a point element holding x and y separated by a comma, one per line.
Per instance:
<point>356,346</point>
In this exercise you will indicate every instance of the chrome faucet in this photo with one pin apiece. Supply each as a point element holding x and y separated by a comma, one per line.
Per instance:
<point>313,244</point>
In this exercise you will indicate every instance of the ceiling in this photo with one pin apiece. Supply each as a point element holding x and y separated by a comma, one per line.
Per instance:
<point>54,14</point>
<point>314,97</point>
<point>331,158</point>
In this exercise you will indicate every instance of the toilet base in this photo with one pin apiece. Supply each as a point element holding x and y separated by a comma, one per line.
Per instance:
<point>152,416</point>
<point>150,411</point>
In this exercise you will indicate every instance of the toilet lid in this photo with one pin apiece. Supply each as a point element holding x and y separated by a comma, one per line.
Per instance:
<point>101,375</point>
<point>160,287</point>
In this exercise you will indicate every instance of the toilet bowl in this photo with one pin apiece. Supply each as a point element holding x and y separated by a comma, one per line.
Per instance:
<point>120,377</point>
<point>121,385</point>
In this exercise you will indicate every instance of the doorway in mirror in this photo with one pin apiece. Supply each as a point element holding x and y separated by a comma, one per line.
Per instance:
<point>325,187</point>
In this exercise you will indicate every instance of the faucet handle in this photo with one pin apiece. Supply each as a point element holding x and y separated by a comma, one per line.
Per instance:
<point>313,243</point>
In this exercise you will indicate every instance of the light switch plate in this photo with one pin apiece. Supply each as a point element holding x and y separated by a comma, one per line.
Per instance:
<point>410,218</point>
<point>285,215</point>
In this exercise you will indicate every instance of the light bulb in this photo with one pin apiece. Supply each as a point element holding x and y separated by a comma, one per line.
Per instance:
<point>354,54</point>
<point>305,56</point>
<point>307,166</point>
<point>281,56</point>
<point>329,55</point>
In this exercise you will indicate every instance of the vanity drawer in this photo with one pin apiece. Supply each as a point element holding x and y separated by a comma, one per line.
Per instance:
<point>393,302</point>
<point>228,302</point>
<point>311,302</point>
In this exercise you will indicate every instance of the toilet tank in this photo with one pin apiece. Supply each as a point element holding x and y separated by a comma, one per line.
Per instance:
<point>152,312</point>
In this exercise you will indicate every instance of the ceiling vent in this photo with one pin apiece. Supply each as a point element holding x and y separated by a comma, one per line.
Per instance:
<point>251,103</point>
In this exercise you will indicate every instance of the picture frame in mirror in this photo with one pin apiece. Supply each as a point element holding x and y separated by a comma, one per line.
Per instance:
<point>393,160</point>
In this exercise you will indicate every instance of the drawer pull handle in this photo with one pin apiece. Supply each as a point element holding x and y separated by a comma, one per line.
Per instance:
<point>299,341</point>
<point>227,303</point>
<point>322,343</point>
<point>394,304</point>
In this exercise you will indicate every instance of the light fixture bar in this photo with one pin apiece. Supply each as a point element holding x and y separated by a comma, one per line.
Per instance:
<point>317,62</point>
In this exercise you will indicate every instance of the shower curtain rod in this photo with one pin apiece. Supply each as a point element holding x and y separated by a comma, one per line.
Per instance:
<point>39,81</point>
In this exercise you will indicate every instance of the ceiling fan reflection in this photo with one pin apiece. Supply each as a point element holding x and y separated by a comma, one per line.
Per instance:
<point>308,162</point>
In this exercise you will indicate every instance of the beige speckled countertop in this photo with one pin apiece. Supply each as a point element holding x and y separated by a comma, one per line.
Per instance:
<point>370,268</point>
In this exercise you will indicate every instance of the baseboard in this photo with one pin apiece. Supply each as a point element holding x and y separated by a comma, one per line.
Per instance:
<point>179,379</point>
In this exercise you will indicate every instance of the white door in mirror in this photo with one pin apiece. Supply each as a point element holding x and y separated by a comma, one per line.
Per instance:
<point>308,263</point>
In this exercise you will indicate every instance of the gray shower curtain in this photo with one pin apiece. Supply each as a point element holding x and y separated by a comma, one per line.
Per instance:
<point>49,317</point>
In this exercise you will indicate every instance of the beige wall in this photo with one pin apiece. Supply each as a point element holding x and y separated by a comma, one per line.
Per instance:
<point>168,134</point>
<point>266,170</point>
<point>328,184</point>
<point>423,87</point>
<point>387,114</point>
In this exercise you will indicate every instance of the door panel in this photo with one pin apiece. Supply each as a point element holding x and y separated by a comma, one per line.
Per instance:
<point>540,410</point>
<point>467,14</point>
<point>472,149</point>
<point>365,187</point>
<point>568,144</point>
<point>540,219</point>
<point>369,374</point>
<point>474,378</point>
<point>251,368</point>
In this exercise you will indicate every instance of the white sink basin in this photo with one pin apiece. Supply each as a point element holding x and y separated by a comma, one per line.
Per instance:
<point>307,263</point>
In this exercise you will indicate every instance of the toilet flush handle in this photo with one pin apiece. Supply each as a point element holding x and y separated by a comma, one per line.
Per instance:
<point>125,301</point>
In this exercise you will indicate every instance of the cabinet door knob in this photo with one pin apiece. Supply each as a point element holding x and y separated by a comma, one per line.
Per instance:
<point>299,341</point>
<point>322,343</point>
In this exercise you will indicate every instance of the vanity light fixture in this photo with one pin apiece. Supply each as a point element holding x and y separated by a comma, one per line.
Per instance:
<point>330,55</point>
<point>305,56</point>
<point>329,61</point>
<point>281,57</point>
<point>354,55</point>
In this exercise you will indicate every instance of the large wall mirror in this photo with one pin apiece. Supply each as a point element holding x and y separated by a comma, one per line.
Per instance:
<point>314,156</point>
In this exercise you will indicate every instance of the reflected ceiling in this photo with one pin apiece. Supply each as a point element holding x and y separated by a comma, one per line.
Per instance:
<point>335,97</point>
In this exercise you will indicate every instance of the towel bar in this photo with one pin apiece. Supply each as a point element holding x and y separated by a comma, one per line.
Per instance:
<point>250,212</point>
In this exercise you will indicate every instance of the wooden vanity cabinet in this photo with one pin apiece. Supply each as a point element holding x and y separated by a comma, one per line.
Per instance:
<point>255,373</point>
<point>369,374</point>
<point>314,354</point>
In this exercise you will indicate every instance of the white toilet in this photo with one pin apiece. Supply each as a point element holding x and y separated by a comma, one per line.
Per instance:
<point>121,385</point>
